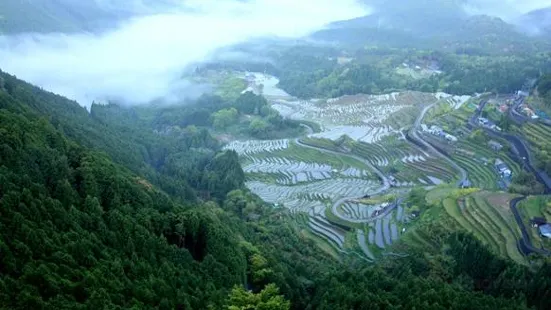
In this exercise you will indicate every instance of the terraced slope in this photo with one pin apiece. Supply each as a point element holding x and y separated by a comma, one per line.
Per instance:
<point>488,217</point>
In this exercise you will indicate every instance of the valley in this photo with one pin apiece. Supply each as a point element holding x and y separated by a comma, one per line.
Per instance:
<point>348,182</point>
<point>205,155</point>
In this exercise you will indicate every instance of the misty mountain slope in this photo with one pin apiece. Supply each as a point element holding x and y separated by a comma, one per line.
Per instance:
<point>420,18</point>
<point>44,16</point>
<point>536,22</point>
<point>482,33</point>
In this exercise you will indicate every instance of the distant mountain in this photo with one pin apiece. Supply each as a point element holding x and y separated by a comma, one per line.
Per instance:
<point>536,22</point>
<point>421,17</point>
<point>435,25</point>
<point>17,16</point>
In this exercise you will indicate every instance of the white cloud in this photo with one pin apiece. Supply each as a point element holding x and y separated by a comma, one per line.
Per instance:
<point>143,59</point>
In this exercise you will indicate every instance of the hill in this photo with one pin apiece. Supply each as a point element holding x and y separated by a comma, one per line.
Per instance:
<point>119,208</point>
<point>440,25</point>
<point>536,22</point>
<point>18,16</point>
<point>420,17</point>
<point>44,16</point>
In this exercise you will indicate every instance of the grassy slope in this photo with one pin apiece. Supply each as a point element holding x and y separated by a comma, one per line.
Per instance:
<point>487,217</point>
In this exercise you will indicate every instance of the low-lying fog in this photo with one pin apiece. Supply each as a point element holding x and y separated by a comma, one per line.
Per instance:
<point>143,59</point>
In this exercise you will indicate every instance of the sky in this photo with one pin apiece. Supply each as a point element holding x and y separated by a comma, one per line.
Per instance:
<point>142,60</point>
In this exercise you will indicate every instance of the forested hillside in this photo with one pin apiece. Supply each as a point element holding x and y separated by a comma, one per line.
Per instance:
<point>381,70</point>
<point>118,208</point>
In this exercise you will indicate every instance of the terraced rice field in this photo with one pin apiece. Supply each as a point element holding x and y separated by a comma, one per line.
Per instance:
<point>382,233</point>
<point>324,188</point>
<point>251,147</point>
<point>488,217</point>
<point>312,197</point>
<point>538,135</point>
<point>360,117</point>
<point>408,165</point>
<point>305,180</point>
<point>472,157</point>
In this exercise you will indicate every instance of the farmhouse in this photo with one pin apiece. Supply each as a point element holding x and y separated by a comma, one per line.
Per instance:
<point>450,137</point>
<point>496,146</point>
<point>521,93</point>
<point>435,130</point>
<point>545,230</point>
<point>502,169</point>
<point>466,184</point>
<point>483,121</point>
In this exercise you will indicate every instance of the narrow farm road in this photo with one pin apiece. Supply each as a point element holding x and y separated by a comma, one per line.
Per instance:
<point>525,243</point>
<point>525,159</point>
<point>415,135</point>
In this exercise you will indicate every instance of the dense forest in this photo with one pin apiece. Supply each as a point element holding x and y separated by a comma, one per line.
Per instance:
<point>247,115</point>
<point>544,88</point>
<point>139,208</point>
<point>314,72</point>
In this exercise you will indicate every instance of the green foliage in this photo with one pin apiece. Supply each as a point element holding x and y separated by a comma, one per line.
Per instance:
<point>125,208</point>
<point>544,84</point>
<point>258,127</point>
<point>373,71</point>
<point>525,183</point>
<point>267,299</point>
<point>224,118</point>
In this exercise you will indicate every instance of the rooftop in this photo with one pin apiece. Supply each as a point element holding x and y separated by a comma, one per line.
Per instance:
<point>545,230</point>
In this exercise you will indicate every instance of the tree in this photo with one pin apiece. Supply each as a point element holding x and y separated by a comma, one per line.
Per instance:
<point>224,118</point>
<point>258,127</point>
<point>267,299</point>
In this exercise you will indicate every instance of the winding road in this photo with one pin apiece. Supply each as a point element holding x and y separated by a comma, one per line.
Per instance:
<point>413,133</point>
<point>525,158</point>
<point>525,243</point>
<point>526,161</point>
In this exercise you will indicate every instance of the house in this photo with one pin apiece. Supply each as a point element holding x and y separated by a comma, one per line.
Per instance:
<point>435,130</point>
<point>528,112</point>
<point>521,93</point>
<point>424,128</point>
<point>545,230</point>
<point>496,146</point>
<point>483,121</point>
<point>538,221</point>
<point>466,184</point>
<point>502,168</point>
<point>450,138</point>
